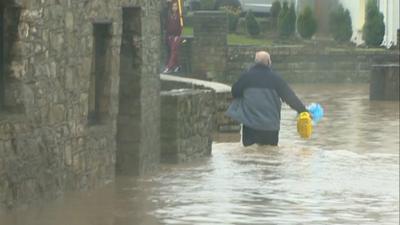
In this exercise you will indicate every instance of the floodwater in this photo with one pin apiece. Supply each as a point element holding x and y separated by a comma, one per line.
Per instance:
<point>347,173</point>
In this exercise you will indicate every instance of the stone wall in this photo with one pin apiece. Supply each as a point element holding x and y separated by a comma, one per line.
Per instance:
<point>139,108</point>
<point>310,64</point>
<point>222,96</point>
<point>187,121</point>
<point>212,59</point>
<point>58,118</point>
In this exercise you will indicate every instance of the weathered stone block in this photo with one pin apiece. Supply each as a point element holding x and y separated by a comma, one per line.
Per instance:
<point>209,48</point>
<point>187,137</point>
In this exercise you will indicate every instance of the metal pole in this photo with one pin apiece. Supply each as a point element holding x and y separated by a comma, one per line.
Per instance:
<point>180,12</point>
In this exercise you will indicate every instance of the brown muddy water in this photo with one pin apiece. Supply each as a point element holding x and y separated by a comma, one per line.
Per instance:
<point>347,173</point>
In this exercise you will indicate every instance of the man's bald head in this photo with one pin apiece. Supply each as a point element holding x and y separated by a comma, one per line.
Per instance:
<point>263,57</point>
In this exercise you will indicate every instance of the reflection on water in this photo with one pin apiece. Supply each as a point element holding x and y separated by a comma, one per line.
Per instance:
<point>348,173</point>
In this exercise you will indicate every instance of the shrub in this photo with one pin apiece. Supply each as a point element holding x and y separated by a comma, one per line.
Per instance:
<point>207,4</point>
<point>275,10</point>
<point>233,17</point>
<point>340,24</point>
<point>306,23</point>
<point>292,19</point>
<point>252,25</point>
<point>374,27</point>
<point>286,20</point>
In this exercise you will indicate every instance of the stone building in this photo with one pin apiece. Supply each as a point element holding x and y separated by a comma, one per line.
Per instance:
<point>79,94</point>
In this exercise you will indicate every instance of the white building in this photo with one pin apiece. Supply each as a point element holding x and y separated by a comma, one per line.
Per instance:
<point>390,10</point>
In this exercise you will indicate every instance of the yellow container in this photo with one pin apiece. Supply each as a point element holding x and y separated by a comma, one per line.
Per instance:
<point>304,125</point>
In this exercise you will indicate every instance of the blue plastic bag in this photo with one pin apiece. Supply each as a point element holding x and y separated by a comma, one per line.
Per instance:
<point>317,112</point>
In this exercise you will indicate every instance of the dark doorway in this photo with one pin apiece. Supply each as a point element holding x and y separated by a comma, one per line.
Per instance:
<point>129,118</point>
<point>98,101</point>
<point>10,88</point>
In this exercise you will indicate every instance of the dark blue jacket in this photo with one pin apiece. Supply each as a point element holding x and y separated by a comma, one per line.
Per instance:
<point>258,96</point>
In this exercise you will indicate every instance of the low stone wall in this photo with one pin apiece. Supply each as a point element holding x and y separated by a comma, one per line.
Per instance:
<point>191,110</point>
<point>186,124</point>
<point>310,64</point>
<point>297,64</point>
<point>222,95</point>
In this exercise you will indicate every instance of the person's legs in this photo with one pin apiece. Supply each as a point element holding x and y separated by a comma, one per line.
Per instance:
<point>168,55</point>
<point>252,136</point>
<point>174,42</point>
<point>167,51</point>
<point>268,138</point>
<point>248,136</point>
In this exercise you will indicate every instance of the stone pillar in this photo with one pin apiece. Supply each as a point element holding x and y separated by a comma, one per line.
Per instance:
<point>209,51</point>
<point>185,55</point>
<point>138,139</point>
<point>384,83</point>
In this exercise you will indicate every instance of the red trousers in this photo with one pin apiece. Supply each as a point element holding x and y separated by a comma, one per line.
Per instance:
<point>173,44</point>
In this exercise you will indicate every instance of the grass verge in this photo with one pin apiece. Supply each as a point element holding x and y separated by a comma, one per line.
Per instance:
<point>235,39</point>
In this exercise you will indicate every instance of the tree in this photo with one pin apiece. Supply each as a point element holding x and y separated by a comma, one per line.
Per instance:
<point>253,28</point>
<point>340,24</point>
<point>275,10</point>
<point>306,23</point>
<point>374,27</point>
<point>292,19</point>
<point>286,20</point>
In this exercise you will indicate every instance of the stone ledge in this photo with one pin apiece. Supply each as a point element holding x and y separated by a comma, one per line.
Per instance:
<point>217,87</point>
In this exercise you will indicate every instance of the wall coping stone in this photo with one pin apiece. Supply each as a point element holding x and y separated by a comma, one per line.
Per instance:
<point>314,50</point>
<point>386,65</point>
<point>217,87</point>
<point>184,92</point>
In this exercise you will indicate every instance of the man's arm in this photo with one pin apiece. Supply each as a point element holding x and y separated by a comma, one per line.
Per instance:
<point>288,96</point>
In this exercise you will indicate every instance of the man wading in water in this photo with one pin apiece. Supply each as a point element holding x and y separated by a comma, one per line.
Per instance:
<point>257,102</point>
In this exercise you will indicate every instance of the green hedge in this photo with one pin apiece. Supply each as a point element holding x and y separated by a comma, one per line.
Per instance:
<point>374,27</point>
<point>253,28</point>
<point>287,20</point>
<point>306,23</point>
